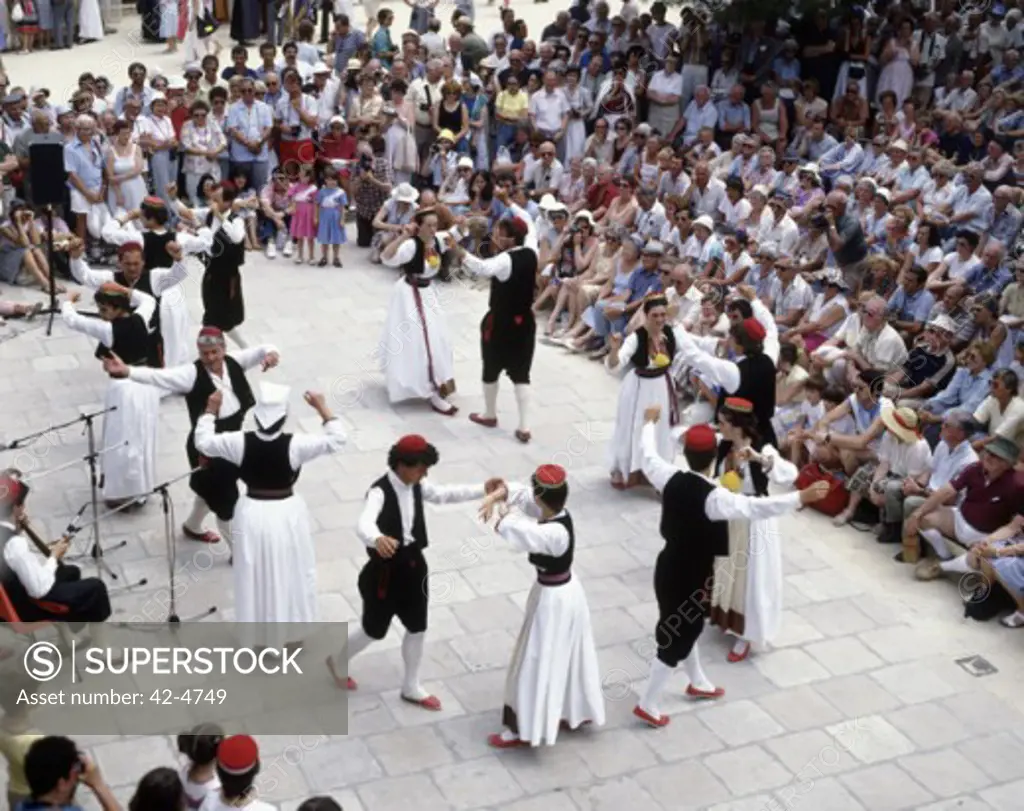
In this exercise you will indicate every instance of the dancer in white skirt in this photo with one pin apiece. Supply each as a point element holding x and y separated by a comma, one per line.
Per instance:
<point>553,680</point>
<point>128,461</point>
<point>274,555</point>
<point>747,597</point>
<point>416,352</point>
<point>645,363</point>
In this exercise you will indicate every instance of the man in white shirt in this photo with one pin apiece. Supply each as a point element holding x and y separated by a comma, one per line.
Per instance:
<point>931,45</point>
<point>790,294</point>
<point>42,589</point>
<point>545,175</point>
<point>425,94</point>
<point>962,97</point>
<point>549,112</point>
<point>699,113</point>
<point>705,194</point>
<point>1002,412</point>
<point>874,345</point>
<point>785,233</point>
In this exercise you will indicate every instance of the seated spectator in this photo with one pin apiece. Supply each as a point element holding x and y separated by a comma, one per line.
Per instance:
<point>929,366</point>
<point>791,296</point>
<point>159,789</point>
<point>957,265</point>
<point>926,248</point>
<point>911,304</point>
<point>826,315</point>
<point>855,416</point>
<point>275,222</point>
<point>607,313</point>
<point>1002,412</point>
<point>902,454</point>
<point>990,493</point>
<point>53,770</point>
<point>391,220</point>
<point>1006,215</point>
<point>874,345</point>
<point>22,261</point>
<point>966,391</point>
<point>991,331</point>
<point>992,275</point>
<point>972,204</point>
<point>736,262</point>
<point>1000,558</point>
<point>954,304</point>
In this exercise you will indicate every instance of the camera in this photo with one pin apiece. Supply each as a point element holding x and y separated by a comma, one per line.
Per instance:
<point>365,163</point>
<point>819,221</point>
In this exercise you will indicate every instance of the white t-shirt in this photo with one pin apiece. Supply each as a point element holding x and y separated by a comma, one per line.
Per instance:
<point>1009,423</point>
<point>905,458</point>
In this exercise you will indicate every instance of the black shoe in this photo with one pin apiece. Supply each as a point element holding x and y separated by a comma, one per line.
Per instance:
<point>890,533</point>
<point>337,263</point>
<point>322,263</point>
<point>898,557</point>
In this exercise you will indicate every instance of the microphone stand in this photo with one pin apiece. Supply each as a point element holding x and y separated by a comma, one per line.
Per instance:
<point>54,309</point>
<point>20,442</point>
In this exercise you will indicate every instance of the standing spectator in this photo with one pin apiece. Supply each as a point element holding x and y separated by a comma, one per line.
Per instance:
<point>249,126</point>
<point>846,240</point>
<point>83,161</point>
<point>296,119</point>
<point>371,187</point>
<point>203,144</point>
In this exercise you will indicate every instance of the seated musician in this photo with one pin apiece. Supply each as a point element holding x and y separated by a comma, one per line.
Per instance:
<point>43,588</point>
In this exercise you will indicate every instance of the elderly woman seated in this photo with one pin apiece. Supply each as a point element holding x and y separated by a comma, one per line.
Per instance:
<point>22,260</point>
<point>390,221</point>
<point>902,454</point>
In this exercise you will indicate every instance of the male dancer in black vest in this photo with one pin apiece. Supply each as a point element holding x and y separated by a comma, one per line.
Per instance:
<point>216,484</point>
<point>393,583</point>
<point>508,331</point>
<point>750,376</point>
<point>694,515</point>
<point>223,302</point>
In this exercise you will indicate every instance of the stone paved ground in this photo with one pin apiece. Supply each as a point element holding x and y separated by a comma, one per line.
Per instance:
<point>859,705</point>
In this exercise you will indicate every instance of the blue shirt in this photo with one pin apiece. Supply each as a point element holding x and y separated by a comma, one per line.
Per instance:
<point>86,162</point>
<point>250,122</point>
<point>786,69</point>
<point>642,282</point>
<point>606,60</point>
<point>345,48</point>
<point>381,45</point>
<point>965,392</point>
<point>915,307</point>
<point>983,280</point>
<point>737,114</point>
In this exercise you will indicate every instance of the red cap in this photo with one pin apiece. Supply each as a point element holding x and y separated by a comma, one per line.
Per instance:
<point>128,247</point>
<point>550,475</point>
<point>518,227</point>
<point>412,444</point>
<point>238,754</point>
<point>154,202</point>
<point>113,289</point>
<point>700,438</point>
<point>755,329</point>
<point>739,405</point>
<point>228,185</point>
<point>10,490</point>
<point>210,335</point>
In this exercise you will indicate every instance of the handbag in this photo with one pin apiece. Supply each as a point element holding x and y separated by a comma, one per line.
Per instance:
<point>17,13</point>
<point>837,499</point>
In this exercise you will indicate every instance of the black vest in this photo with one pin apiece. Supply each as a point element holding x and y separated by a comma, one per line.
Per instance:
<point>223,252</point>
<point>417,266</point>
<point>757,474</point>
<point>757,384</point>
<point>132,342</point>
<point>145,285</point>
<point>514,298</point>
<point>154,249</point>
<point>389,522</point>
<point>265,463</point>
<point>685,526</point>
<point>560,564</point>
<point>196,399</point>
<point>641,358</point>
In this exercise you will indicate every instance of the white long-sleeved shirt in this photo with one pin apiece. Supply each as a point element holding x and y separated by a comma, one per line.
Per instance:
<point>144,304</point>
<point>303,448</point>
<point>523,529</point>
<point>160,279</point>
<point>367,528</point>
<point>500,266</point>
<point>117,234</point>
<point>35,573</point>
<point>721,504</point>
<point>234,228</point>
<point>182,379</point>
<point>407,250</point>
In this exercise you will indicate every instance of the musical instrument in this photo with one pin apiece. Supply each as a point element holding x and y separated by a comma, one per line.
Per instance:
<point>40,544</point>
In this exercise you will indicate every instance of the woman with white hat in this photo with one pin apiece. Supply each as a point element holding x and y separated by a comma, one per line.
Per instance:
<point>392,218</point>
<point>274,555</point>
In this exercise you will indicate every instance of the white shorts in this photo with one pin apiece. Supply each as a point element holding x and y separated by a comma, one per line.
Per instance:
<point>79,205</point>
<point>965,533</point>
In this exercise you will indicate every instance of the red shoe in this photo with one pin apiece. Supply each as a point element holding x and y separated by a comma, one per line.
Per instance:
<point>739,657</point>
<point>693,692</point>
<point>650,720</point>
<point>200,537</point>
<point>486,422</point>
<point>523,436</point>
<point>432,703</point>
<point>451,412</point>
<point>618,484</point>
<point>349,684</point>
<point>499,742</point>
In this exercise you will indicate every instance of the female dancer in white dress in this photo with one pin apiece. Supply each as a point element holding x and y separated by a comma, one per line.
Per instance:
<point>747,597</point>
<point>554,680</point>
<point>644,360</point>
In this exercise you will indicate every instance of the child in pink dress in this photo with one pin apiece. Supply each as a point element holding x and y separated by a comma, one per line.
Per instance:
<point>303,210</point>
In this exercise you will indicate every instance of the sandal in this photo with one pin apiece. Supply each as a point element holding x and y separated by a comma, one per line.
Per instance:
<point>337,263</point>
<point>321,264</point>
<point>1015,620</point>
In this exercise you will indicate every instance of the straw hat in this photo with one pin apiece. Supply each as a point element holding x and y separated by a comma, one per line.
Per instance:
<point>902,422</point>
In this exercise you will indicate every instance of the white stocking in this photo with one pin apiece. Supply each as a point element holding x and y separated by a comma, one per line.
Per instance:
<point>194,522</point>
<point>358,641</point>
<point>491,400</point>
<point>412,655</point>
<point>691,664</point>
<point>936,542</point>
<point>522,391</point>
<point>236,336</point>
<point>224,528</point>
<point>660,673</point>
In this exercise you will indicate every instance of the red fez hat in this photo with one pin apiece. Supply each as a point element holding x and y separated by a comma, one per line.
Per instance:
<point>210,335</point>
<point>112,290</point>
<point>550,476</point>
<point>153,202</point>
<point>238,754</point>
<point>754,329</point>
<point>128,247</point>
<point>228,185</point>
<point>700,438</point>
<point>411,444</point>
<point>518,227</point>
<point>11,490</point>
<point>739,405</point>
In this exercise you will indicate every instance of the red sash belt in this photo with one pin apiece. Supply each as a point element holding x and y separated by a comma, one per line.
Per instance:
<point>426,337</point>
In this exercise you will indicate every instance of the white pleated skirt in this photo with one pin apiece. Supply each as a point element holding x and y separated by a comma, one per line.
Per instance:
<point>129,441</point>
<point>404,360</point>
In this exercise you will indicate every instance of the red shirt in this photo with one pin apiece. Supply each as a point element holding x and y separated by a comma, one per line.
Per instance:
<point>600,195</point>
<point>179,115</point>
<point>987,506</point>
<point>338,149</point>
